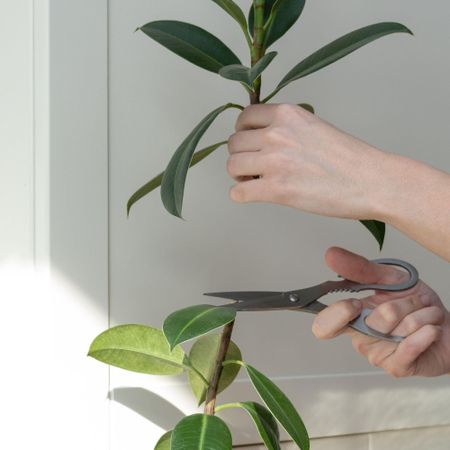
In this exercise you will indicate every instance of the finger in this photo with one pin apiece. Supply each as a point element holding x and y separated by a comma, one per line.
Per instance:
<point>385,317</point>
<point>255,116</point>
<point>244,165</point>
<point>253,190</point>
<point>433,315</point>
<point>245,141</point>
<point>333,320</point>
<point>403,362</point>
<point>357,268</point>
<point>375,350</point>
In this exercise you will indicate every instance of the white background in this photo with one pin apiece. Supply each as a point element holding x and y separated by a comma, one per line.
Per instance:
<point>89,112</point>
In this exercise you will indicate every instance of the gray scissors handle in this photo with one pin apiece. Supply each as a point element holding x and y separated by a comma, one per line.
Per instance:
<point>359,324</point>
<point>411,282</point>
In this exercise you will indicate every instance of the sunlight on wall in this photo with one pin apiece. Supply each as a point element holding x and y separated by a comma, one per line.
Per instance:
<point>46,330</point>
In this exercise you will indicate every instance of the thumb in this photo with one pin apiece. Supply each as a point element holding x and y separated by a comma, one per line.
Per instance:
<point>357,268</point>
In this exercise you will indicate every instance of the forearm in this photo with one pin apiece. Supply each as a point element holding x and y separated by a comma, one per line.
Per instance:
<point>415,198</point>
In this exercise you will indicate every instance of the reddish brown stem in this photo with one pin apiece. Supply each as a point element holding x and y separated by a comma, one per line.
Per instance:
<point>210,402</point>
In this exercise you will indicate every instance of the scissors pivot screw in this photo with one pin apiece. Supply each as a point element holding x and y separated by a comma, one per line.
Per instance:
<point>293,298</point>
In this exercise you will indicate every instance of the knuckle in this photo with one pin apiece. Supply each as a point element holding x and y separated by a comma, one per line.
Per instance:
<point>388,313</point>
<point>273,135</point>
<point>285,111</point>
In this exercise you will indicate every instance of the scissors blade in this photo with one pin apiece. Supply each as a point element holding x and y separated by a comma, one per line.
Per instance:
<point>243,296</point>
<point>255,300</point>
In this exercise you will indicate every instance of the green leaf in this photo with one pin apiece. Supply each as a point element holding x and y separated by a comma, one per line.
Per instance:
<point>174,179</point>
<point>378,230</point>
<point>192,43</point>
<point>201,432</point>
<point>195,321</point>
<point>308,107</point>
<point>280,406</point>
<point>137,348</point>
<point>282,15</point>
<point>247,75</point>
<point>265,423</point>
<point>340,48</point>
<point>164,441</point>
<point>233,10</point>
<point>203,356</point>
<point>155,182</point>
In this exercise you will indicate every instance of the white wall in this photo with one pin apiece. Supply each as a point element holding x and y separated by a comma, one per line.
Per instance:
<point>89,111</point>
<point>392,93</point>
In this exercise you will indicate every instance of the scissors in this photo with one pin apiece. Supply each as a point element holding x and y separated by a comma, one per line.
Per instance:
<point>306,299</point>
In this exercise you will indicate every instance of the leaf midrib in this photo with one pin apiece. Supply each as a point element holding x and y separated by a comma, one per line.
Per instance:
<point>187,44</point>
<point>271,396</point>
<point>167,361</point>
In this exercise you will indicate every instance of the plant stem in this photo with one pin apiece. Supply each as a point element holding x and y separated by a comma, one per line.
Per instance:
<point>258,45</point>
<point>210,402</point>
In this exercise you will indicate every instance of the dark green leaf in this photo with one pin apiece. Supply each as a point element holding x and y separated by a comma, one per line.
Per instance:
<point>137,348</point>
<point>284,14</point>
<point>164,441</point>
<point>203,356</point>
<point>233,10</point>
<point>201,432</point>
<point>340,48</point>
<point>378,230</point>
<point>280,406</point>
<point>155,182</point>
<point>247,75</point>
<point>195,321</point>
<point>192,43</point>
<point>308,107</point>
<point>174,179</point>
<point>265,423</point>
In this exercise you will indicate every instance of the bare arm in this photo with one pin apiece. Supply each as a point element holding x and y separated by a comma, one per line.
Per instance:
<point>307,163</point>
<point>415,199</point>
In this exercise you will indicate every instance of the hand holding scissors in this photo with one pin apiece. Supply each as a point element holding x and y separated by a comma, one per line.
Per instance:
<point>417,314</point>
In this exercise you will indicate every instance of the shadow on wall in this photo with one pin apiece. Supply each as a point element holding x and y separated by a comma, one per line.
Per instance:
<point>149,405</point>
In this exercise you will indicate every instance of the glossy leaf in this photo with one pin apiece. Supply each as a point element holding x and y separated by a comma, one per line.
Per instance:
<point>156,182</point>
<point>280,406</point>
<point>164,441</point>
<point>191,43</point>
<point>137,348</point>
<point>203,356</point>
<point>340,48</point>
<point>195,321</point>
<point>378,230</point>
<point>233,10</point>
<point>282,13</point>
<point>174,179</point>
<point>201,432</point>
<point>247,75</point>
<point>265,423</point>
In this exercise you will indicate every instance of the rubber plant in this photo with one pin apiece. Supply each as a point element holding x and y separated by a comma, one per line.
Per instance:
<point>214,360</point>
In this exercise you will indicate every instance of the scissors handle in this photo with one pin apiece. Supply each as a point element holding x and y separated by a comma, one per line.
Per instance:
<point>359,323</point>
<point>411,282</point>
